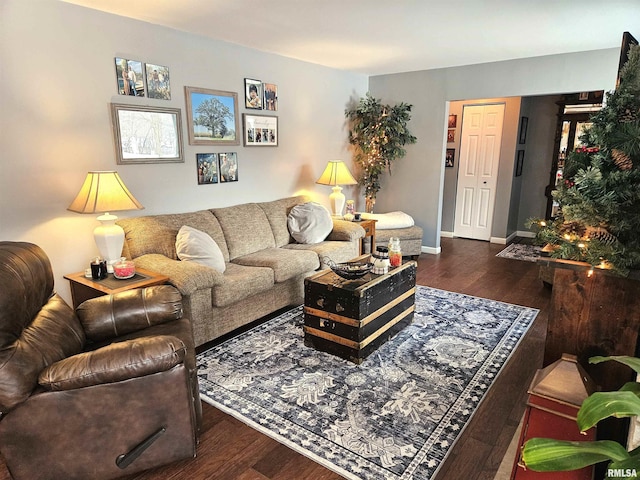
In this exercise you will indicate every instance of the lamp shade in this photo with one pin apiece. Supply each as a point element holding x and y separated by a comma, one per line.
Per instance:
<point>104,192</point>
<point>336,173</point>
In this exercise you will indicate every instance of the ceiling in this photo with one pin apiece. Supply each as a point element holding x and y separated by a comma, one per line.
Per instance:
<point>389,36</point>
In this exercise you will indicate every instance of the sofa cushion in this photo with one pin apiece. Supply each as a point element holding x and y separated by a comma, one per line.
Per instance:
<point>246,229</point>
<point>193,245</point>
<point>277,213</point>
<point>157,233</point>
<point>285,263</point>
<point>241,282</point>
<point>337,251</point>
<point>309,223</point>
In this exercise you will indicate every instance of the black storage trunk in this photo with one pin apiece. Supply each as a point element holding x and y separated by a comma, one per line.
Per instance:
<point>352,318</point>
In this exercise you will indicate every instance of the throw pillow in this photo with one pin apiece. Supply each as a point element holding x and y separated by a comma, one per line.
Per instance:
<point>309,223</point>
<point>192,245</point>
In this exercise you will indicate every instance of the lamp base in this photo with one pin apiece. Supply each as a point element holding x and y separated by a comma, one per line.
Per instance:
<point>109,238</point>
<point>337,200</point>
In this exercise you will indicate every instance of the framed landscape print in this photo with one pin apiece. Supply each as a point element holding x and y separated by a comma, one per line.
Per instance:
<point>253,93</point>
<point>158,81</point>
<point>228,167</point>
<point>207,165</point>
<point>130,77</point>
<point>270,97</point>
<point>212,117</point>
<point>260,130</point>
<point>147,134</point>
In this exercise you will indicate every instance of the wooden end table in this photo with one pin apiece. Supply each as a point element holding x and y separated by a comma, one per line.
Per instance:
<point>83,288</point>
<point>369,232</point>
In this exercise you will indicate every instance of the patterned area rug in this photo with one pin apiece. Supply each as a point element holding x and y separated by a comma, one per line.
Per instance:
<point>395,416</point>
<point>521,251</point>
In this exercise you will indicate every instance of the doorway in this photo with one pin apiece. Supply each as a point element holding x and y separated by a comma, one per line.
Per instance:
<point>480,141</point>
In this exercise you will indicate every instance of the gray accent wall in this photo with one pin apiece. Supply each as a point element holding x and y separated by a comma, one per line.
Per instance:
<point>416,185</point>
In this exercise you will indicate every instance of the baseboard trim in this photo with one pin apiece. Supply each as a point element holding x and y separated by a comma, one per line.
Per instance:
<point>431,250</point>
<point>446,234</point>
<point>526,234</point>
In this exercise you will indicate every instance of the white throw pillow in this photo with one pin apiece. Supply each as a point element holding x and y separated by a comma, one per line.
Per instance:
<point>192,245</point>
<point>309,223</point>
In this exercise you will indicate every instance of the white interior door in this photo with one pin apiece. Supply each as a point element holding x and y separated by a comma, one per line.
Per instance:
<point>478,172</point>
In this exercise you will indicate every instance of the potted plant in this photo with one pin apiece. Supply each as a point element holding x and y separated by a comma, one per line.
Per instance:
<point>379,133</point>
<point>549,455</point>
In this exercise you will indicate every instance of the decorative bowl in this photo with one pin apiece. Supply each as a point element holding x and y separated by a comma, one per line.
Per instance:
<point>349,270</point>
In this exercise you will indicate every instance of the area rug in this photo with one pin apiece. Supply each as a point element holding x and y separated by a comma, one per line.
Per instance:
<point>395,416</point>
<point>521,251</point>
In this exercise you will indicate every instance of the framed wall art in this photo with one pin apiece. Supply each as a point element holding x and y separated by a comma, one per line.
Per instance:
<point>270,97</point>
<point>519,162</point>
<point>453,121</point>
<point>130,77</point>
<point>207,165</point>
<point>448,159</point>
<point>253,93</point>
<point>212,116</point>
<point>158,85</point>
<point>228,167</point>
<point>147,134</point>
<point>451,135</point>
<point>524,123</point>
<point>260,130</point>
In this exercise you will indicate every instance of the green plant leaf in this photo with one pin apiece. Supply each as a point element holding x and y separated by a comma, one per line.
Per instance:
<point>549,455</point>
<point>632,362</point>
<point>601,405</point>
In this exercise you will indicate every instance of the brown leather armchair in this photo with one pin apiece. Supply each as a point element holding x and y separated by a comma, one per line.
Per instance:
<point>102,392</point>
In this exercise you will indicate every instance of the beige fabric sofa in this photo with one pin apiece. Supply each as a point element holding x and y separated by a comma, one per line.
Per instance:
<point>265,268</point>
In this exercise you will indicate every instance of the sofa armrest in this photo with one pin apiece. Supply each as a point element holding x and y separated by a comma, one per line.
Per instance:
<point>345,231</point>
<point>114,363</point>
<point>187,277</point>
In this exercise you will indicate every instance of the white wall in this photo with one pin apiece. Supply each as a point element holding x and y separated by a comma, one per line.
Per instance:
<point>57,80</point>
<point>416,185</point>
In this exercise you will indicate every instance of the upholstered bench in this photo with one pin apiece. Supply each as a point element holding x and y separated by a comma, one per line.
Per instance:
<point>400,225</point>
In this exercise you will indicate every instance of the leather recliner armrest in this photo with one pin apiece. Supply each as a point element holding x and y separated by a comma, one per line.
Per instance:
<point>110,316</point>
<point>113,363</point>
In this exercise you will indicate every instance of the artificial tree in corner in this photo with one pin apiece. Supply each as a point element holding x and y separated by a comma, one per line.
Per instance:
<point>599,220</point>
<point>379,133</point>
<point>549,455</point>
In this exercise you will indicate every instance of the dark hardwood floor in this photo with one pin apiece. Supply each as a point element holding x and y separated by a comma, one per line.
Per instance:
<point>230,450</point>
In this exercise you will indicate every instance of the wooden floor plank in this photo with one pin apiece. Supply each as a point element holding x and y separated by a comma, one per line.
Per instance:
<point>230,450</point>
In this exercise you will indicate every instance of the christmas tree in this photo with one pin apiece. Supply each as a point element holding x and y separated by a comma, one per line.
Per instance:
<point>599,217</point>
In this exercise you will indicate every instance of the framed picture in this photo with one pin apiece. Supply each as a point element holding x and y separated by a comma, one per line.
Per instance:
<point>451,135</point>
<point>448,159</point>
<point>260,130</point>
<point>524,122</point>
<point>228,167</point>
<point>270,97</point>
<point>157,81</point>
<point>207,165</point>
<point>253,94</point>
<point>453,120</point>
<point>147,134</point>
<point>212,117</point>
<point>519,162</point>
<point>129,77</point>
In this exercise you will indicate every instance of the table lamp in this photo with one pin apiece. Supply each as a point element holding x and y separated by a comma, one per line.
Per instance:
<point>336,174</point>
<point>104,192</point>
